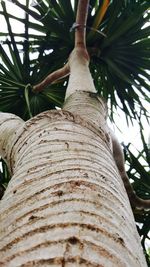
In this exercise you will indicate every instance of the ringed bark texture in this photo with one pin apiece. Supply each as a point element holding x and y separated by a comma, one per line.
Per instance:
<point>66,204</point>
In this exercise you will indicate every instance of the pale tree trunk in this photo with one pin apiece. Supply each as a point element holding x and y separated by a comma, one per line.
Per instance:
<point>66,204</point>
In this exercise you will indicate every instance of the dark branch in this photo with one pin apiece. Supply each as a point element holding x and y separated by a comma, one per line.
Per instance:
<point>81,19</point>
<point>52,77</point>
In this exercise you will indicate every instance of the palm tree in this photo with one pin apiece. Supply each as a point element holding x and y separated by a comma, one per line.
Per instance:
<point>66,201</point>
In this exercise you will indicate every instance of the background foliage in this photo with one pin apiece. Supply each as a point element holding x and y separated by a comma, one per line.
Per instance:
<point>118,43</point>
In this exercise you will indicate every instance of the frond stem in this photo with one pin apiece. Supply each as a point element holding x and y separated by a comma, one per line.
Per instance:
<point>52,77</point>
<point>81,20</point>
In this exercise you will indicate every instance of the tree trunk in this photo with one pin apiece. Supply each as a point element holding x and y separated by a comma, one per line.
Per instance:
<point>66,204</point>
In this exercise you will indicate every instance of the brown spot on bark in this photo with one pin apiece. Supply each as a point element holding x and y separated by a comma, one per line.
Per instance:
<point>59,193</point>
<point>67,145</point>
<point>85,175</point>
<point>107,137</point>
<point>63,262</point>
<point>73,240</point>
<point>77,183</point>
<point>121,241</point>
<point>32,217</point>
<point>42,141</point>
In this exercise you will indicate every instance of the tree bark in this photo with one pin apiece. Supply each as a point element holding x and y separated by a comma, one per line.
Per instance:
<point>66,204</point>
